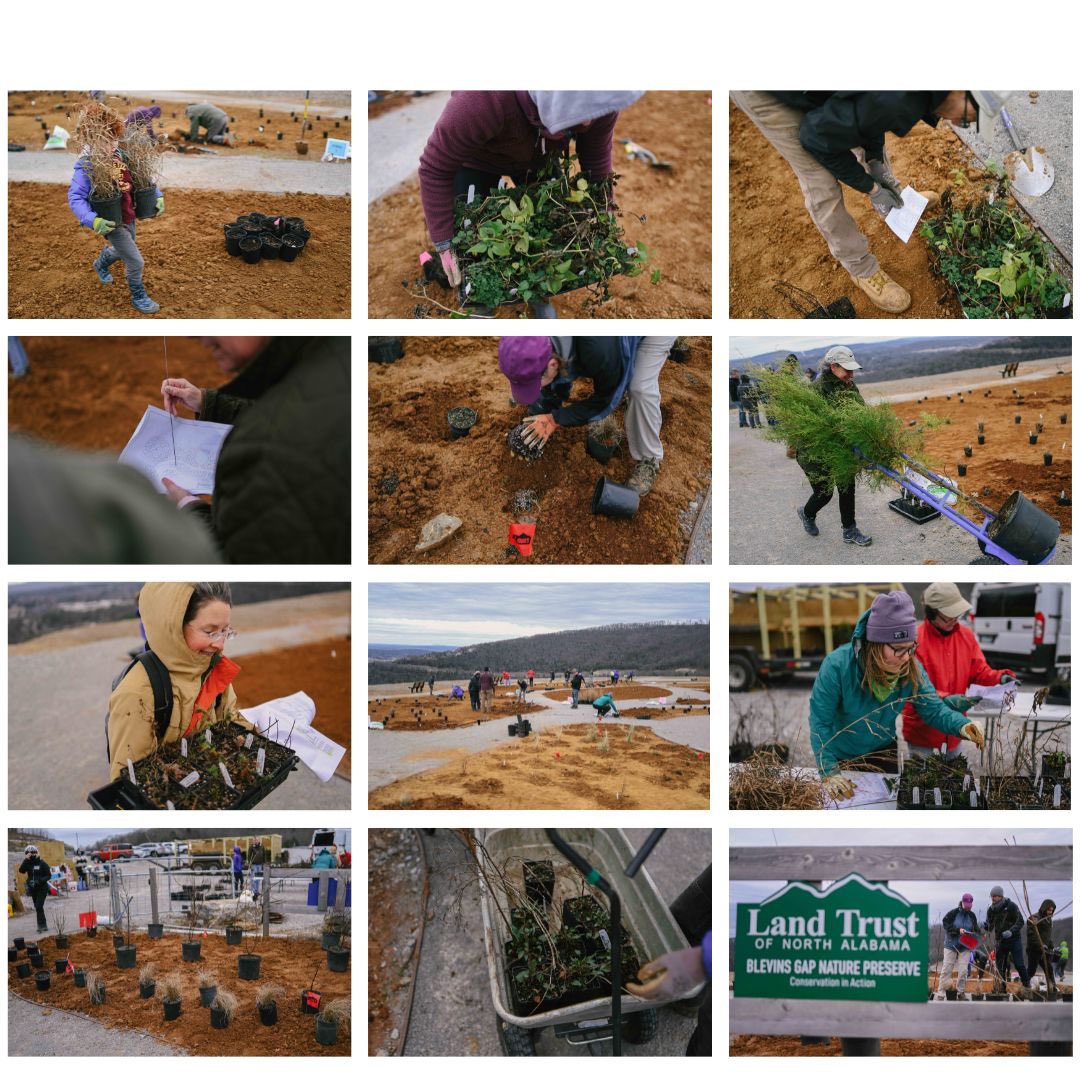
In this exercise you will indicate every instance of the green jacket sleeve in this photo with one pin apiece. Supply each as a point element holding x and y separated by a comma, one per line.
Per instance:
<point>933,710</point>
<point>222,408</point>
<point>825,701</point>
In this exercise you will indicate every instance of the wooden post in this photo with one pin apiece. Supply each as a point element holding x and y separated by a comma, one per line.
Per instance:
<point>266,899</point>
<point>826,617</point>
<point>339,895</point>
<point>153,895</point>
<point>795,632</point>
<point>324,888</point>
<point>763,624</point>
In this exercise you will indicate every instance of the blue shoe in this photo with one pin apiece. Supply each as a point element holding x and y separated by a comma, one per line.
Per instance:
<point>103,274</point>
<point>141,302</point>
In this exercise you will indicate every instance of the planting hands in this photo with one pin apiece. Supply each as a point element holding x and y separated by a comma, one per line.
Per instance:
<point>961,702</point>
<point>538,429</point>
<point>838,787</point>
<point>974,731</point>
<point>885,199</point>
<point>180,390</point>
<point>674,974</point>
<point>1007,679</point>
<point>102,226</point>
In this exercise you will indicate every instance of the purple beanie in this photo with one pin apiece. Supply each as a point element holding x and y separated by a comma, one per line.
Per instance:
<point>892,618</point>
<point>523,361</point>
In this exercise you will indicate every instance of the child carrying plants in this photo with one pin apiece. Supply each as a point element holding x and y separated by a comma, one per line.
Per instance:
<point>102,194</point>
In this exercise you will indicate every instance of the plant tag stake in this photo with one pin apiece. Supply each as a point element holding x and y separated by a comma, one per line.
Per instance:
<point>937,796</point>
<point>260,764</point>
<point>209,738</point>
<point>248,741</point>
<point>183,747</point>
<point>967,781</point>
<point>169,805</point>
<point>131,771</point>
<point>191,778</point>
<point>1057,796</point>
<point>974,801</point>
<point>225,774</point>
<point>914,796</point>
<point>606,940</point>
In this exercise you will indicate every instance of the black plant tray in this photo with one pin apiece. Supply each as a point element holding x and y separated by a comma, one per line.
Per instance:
<point>919,512</point>
<point>122,794</point>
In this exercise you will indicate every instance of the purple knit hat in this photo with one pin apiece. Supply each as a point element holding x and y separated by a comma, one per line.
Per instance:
<point>892,618</point>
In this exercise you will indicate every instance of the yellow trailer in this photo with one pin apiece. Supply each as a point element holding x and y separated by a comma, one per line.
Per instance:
<point>201,852</point>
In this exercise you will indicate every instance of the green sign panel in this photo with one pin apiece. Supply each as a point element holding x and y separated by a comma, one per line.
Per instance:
<point>853,940</point>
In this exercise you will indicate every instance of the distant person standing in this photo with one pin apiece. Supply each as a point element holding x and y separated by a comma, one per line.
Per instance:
<point>487,690</point>
<point>615,677</point>
<point>237,871</point>
<point>575,687</point>
<point>37,873</point>
<point>748,403</point>
<point>474,691</point>
<point>431,684</point>
<point>531,675</point>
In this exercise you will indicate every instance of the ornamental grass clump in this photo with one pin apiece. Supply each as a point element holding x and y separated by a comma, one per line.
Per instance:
<point>762,783</point>
<point>98,130</point>
<point>560,233</point>
<point>142,155</point>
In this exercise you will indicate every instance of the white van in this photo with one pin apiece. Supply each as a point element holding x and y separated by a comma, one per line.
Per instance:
<point>1024,627</point>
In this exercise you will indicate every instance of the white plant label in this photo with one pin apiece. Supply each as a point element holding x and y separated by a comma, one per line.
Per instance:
<point>915,796</point>
<point>209,737</point>
<point>1057,796</point>
<point>191,778</point>
<point>260,763</point>
<point>225,775</point>
<point>937,796</point>
<point>183,747</point>
<point>131,771</point>
<point>169,804</point>
<point>974,801</point>
<point>606,940</point>
<point>248,740</point>
<point>967,781</point>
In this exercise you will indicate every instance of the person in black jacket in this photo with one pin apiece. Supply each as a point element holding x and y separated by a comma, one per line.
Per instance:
<point>576,682</point>
<point>837,379</point>
<point>837,137</point>
<point>1004,919</point>
<point>1040,942</point>
<point>37,873</point>
<point>474,691</point>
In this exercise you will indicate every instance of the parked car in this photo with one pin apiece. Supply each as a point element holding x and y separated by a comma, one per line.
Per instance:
<point>112,852</point>
<point>1025,627</point>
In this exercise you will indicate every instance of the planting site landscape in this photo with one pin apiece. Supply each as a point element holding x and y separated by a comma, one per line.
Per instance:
<point>188,270</point>
<point>417,470</point>
<point>666,210</point>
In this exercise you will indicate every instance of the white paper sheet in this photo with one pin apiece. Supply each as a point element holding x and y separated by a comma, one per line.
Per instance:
<point>869,788</point>
<point>903,220</point>
<point>288,721</point>
<point>991,695</point>
<point>198,444</point>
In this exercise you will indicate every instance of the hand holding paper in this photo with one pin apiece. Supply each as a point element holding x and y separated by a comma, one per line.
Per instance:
<point>198,444</point>
<point>288,721</point>
<point>903,220</point>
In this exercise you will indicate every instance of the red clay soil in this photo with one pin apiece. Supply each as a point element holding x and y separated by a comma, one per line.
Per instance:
<point>396,903</point>
<point>783,1046</point>
<point>324,678</point>
<point>1007,460</point>
<point>676,205</point>
<point>474,478</point>
<point>62,107</point>
<point>772,237</point>
<point>622,692</point>
<point>188,271</point>
<point>89,393</point>
<point>287,962</point>
<point>439,713</point>
<point>664,713</point>
<point>392,99</point>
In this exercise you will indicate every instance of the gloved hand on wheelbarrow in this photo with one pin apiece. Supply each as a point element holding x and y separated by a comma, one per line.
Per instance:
<point>674,975</point>
<point>973,730</point>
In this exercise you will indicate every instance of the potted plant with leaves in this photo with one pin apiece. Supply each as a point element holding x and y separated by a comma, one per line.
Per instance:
<point>95,988</point>
<point>60,925</point>
<point>207,988</point>
<point>266,998</point>
<point>248,964</point>
<point>191,949</point>
<point>223,1009</point>
<point>333,1017</point>
<point>147,985</point>
<point>170,990</point>
<point>1053,765</point>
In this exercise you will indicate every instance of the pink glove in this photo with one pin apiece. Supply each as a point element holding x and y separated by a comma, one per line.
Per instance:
<point>450,265</point>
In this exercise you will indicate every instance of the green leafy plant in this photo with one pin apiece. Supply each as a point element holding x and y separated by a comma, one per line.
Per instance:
<point>998,265</point>
<point>556,234</point>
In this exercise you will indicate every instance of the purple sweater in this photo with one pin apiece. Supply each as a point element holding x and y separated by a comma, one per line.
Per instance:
<point>147,114</point>
<point>498,131</point>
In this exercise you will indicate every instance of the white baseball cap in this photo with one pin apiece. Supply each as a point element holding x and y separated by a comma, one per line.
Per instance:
<point>842,355</point>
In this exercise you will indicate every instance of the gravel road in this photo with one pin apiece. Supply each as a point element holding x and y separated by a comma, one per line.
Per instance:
<point>766,488</point>
<point>396,140</point>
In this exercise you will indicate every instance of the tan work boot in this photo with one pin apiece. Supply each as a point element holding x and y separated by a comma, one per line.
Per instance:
<point>644,475</point>
<point>883,292</point>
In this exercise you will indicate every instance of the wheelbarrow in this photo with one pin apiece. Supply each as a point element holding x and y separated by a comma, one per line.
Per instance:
<point>1019,532</point>
<point>604,857</point>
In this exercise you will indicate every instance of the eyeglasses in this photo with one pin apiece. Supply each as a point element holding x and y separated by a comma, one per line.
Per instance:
<point>905,652</point>
<point>219,635</point>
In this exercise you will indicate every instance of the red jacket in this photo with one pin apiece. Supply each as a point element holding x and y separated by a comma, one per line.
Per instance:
<point>953,662</point>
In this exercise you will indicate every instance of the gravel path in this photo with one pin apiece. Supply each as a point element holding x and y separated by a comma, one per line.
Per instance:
<point>396,140</point>
<point>699,550</point>
<point>38,1031</point>
<point>203,171</point>
<point>393,755</point>
<point>766,487</point>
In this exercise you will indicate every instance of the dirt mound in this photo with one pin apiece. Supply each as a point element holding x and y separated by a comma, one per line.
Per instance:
<point>188,271</point>
<point>784,1046</point>
<point>772,237</point>
<point>621,692</point>
<point>664,713</point>
<point>288,962</point>
<point>435,714</point>
<point>417,470</point>
<point>324,678</point>
<point>62,107</point>
<point>1007,460</point>
<point>677,225</point>
<point>565,768</point>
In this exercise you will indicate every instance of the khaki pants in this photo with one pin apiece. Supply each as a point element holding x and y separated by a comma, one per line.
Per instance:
<point>643,408</point>
<point>486,697</point>
<point>822,192</point>
<point>951,961</point>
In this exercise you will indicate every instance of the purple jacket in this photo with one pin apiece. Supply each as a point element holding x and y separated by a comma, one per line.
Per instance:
<point>706,952</point>
<point>147,114</point>
<point>79,193</point>
<point>237,862</point>
<point>497,131</point>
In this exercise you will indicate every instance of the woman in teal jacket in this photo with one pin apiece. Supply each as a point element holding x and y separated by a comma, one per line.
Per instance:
<point>863,686</point>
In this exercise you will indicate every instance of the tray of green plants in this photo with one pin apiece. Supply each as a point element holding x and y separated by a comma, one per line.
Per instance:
<point>996,263</point>
<point>549,237</point>
<point>224,750</point>
<point>938,783</point>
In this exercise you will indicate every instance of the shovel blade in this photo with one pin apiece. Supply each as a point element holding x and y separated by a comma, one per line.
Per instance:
<point>1030,171</point>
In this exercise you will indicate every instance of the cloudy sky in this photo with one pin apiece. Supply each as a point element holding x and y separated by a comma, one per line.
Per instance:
<point>755,346</point>
<point>941,896</point>
<point>467,613</point>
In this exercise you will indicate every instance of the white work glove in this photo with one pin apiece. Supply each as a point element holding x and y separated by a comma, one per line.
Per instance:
<point>672,975</point>
<point>973,730</point>
<point>838,787</point>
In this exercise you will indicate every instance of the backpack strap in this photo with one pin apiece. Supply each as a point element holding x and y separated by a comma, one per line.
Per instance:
<point>161,685</point>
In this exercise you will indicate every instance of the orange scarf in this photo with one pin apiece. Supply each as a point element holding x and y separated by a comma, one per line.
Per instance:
<point>221,675</point>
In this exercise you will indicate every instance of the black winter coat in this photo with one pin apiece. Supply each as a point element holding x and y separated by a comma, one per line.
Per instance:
<point>37,871</point>
<point>1007,917</point>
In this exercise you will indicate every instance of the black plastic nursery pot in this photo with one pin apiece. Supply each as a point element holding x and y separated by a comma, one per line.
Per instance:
<point>601,451</point>
<point>293,223</point>
<point>109,209</point>
<point>325,1034</point>
<point>22,969</point>
<point>523,727</point>
<point>155,931</point>
<point>461,420</point>
<point>146,990</point>
<point>60,965</point>
<point>583,912</point>
<point>511,730</point>
<point>961,469</point>
<point>91,931</point>
<point>171,1009</point>
<point>12,954</point>
<point>1024,530</point>
<point>271,247</point>
<point>191,951</point>
<point>32,948</point>
<point>1033,439</point>
<point>80,977</point>
<point>146,203</point>
<point>251,249</point>
<point>232,240</point>
<point>19,943</point>
<point>207,995</point>
<point>61,941</point>
<point>680,353</point>
<point>1048,459</point>
<point>268,1014</point>
<point>539,878</point>
<point>125,957</point>
<point>43,980</point>
<point>967,451</point>
<point>117,940</point>
<point>614,500</point>
<point>234,935</point>
<point>337,959</point>
<point>247,966</point>
<point>1051,771</point>
<point>982,440</point>
<point>218,1019</point>
<point>330,939</point>
<point>291,246</point>
<point>37,960</point>
<point>384,350</point>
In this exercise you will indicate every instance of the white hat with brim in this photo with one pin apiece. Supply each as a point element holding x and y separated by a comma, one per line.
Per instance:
<point>843,357</point>
<point>945,597</point>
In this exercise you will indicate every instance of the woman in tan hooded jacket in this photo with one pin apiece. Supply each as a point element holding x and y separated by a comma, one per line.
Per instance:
<point>187,626</point>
